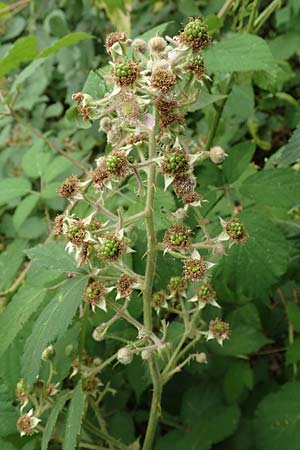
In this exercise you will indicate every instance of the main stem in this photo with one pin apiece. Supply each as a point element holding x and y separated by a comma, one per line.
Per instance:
<point>148,287</point>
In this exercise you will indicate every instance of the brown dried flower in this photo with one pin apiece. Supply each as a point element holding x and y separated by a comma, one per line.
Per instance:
<point>112,38</point>
<point>163,79</point>
<point>177,237</point>
<point>69,187</point>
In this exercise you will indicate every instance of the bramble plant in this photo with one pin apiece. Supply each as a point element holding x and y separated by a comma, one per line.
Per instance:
<point>149,235</point>
<point>150,87</point>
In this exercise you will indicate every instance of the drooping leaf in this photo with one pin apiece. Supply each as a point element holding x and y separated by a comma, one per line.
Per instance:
<point>51,325</point>
<point>66,41</point>
<point>51,422</point>
<point>24,208</point>
<point>10,262</point>
<point>24,49</point>
<point>11,188</point>
<point>238,53</point>
<point>8,414</point>
<point>74,418</point>
<point>277,419</point>
<point>18,312</point>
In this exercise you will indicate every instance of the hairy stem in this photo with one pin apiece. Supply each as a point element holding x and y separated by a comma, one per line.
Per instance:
<point>147,294</point>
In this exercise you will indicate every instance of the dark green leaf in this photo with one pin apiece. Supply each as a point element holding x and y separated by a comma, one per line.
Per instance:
<point>277,419</point>
<point>18,312</point>
<point>74,418</point>
<point>51,422</point>
<point>51,325</point>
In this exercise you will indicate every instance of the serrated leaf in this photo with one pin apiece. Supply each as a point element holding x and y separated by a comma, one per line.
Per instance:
<point>251,268</point>
<point>51,325</point>
<point>10,262</point>
<point>51,422</point>
<point>53,256</point>
<point>280,187</point>
<point>24,208</point>
<point>8,414</point>
<point>277,419</point>
<point>291,152</point>
<point>18,312</point>
<point>74,418</point>
<point>24,49</point>
<point>66,41</point>
<point>11,188</point>
<point>238,53</point>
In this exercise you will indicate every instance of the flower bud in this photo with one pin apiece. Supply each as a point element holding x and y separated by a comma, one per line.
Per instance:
<point>157,44</point>
<point>48,354</point>
<point>125,356</point>
<point>145,355</point>
<point>201,358</point>
<point>217,154</point>
<point>105,124</point>
<point>139,45</point>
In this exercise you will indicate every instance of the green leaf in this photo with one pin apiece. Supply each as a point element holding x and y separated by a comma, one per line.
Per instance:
<point>24,208</point>
<point>238,376</point>
<point>205,99</point>
<point>280,187</point>
<point>18,312</point>
<point>293,352</point>
<point>291,152</point>
<point>294,315</point>
<point>11,188</point>
<point>35,161</point>
<point>66,41</point>
<point>158,30</point>
<point>24,49</point>
<point>238,53</point>
<point>51,422</point>
<point>238,160</point>
<point>10,262</point>
<point>95,85</point>
<point>53,256</point>
<point>51,325</point>
<point>74,419</point>
<point>8,414</point>
<point>277,419</point>
<point>251,268</point>
<point>121,426</point>
<point>208,419</point>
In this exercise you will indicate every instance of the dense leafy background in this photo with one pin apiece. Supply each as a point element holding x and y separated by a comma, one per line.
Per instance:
<point>247,396</point>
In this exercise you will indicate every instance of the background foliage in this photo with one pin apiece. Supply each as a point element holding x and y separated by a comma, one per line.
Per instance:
<point>247,396</point>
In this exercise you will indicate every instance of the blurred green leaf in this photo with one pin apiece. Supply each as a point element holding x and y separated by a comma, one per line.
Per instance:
<point>24,49</point>
<point>74,419</point>
<point>238,53</point>
<point>11,188</point>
